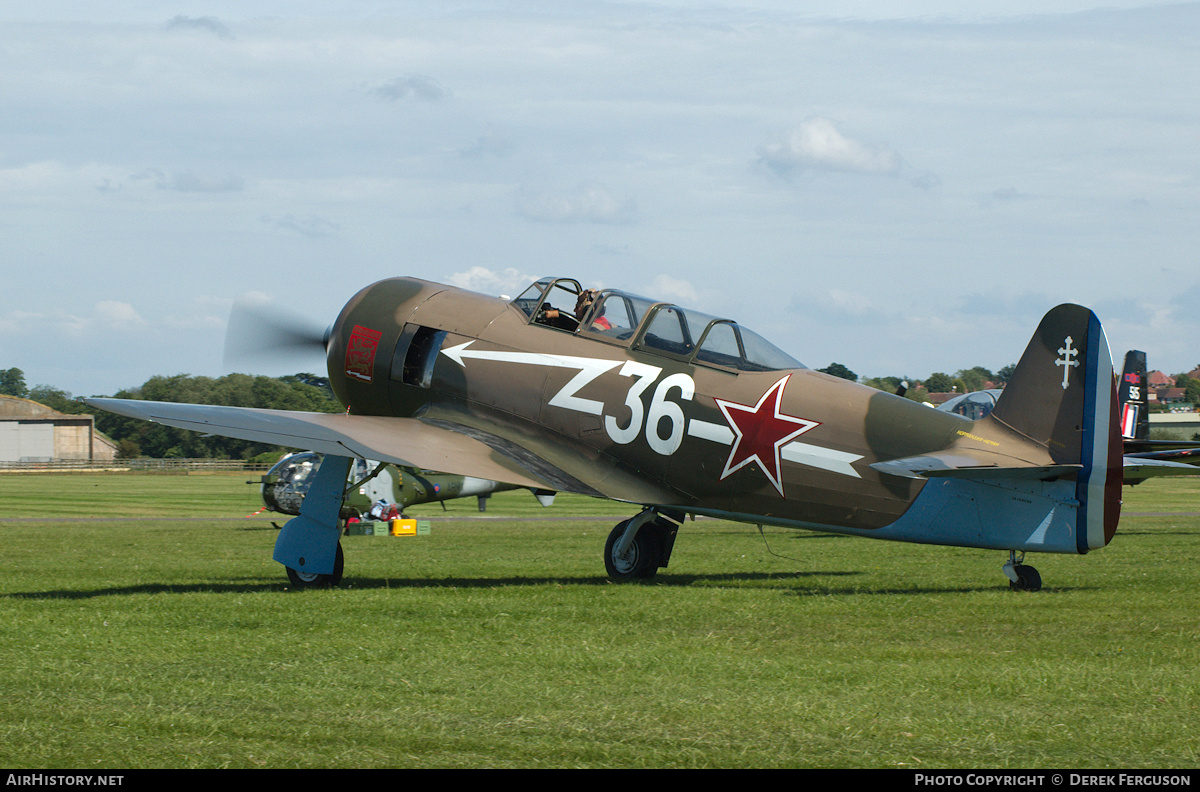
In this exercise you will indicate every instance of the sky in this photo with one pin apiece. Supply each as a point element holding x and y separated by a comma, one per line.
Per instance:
<point>901,188</point>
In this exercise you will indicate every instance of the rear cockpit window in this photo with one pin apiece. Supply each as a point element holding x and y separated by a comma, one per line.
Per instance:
<point>668,332</point>
<point>762,355</point>
<point>721,346</point>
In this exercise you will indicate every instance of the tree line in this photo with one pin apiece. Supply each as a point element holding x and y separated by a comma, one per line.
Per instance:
<point>962,381</point>
<point>135,438</point>
<point>311,393</point>
<point>975,379</point>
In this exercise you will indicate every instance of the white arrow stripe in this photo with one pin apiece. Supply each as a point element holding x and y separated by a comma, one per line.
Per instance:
<point>460,354</point>
<point>589,369</point>
<point>801,453</point>
<point>824,458</point>
<point>718,433</point>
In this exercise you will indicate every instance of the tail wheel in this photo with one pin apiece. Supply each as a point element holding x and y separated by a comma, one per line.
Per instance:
<point>302,580</point>
<point>641,560</point>
<point>1028,579</point>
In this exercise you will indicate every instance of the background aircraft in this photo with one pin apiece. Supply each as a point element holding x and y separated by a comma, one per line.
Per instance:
<point>973,405</point>
<point>1135,417</point>
<point>1134,414</point>
<point>615,395</point>
<point>286,483</point>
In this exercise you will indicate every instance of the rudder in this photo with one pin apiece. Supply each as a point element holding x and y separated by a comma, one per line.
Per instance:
<point>1062,395</point>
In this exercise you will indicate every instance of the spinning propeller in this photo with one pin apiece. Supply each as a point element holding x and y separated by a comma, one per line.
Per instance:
<point>260,334</point>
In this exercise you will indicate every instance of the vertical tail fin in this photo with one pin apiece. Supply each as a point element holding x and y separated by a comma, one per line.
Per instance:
<point>1063,396</point>
<point>1131,392</point>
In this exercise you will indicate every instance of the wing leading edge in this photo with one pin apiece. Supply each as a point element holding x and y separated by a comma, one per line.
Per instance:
<point>431,445</point>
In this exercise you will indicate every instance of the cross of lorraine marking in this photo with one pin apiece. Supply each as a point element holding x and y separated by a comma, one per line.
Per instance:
<point>1066,360</point>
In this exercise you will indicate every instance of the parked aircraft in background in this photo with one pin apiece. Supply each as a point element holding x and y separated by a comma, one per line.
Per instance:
<point>1132,394</point>
<point>1134,414</point>
<point>973,405</point>
<point>1132,390</point>
<point>286,483</point>
<point>680,413</point>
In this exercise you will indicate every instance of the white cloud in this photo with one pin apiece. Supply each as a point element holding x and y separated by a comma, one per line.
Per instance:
<point>589,202</point>
<point>509,282</point>
<point>106,316</point>
<point>841,306</point>
<point>66,326</point>
<point>114,313</point>
<point>818,144</point>
<point>17,323</point>
<point>677,290</point>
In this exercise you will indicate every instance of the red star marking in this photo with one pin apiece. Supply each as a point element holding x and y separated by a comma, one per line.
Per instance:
<point>760,432</point>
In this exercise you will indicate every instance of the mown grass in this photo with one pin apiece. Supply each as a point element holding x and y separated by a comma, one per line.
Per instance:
<point>160,634</point>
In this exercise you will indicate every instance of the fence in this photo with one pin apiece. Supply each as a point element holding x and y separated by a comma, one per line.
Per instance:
<point>142,465</point>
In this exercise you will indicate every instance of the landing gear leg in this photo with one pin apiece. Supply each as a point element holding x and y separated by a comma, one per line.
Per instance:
<point>308,545</point>
<point>1021,577</point>
<point>637,547</point>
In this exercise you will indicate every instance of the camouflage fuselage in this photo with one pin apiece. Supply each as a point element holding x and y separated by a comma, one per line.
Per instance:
<point>621,418</point>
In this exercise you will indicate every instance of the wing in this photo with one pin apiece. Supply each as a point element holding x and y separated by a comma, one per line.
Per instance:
<point>433,445</point>
<point>1163,449</point>
<point>1138,467</point>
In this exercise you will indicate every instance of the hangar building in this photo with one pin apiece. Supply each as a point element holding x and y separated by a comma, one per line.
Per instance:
<point>32,432</point>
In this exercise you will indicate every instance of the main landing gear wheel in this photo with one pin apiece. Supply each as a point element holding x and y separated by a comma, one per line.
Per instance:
<point>302,580</point>
<point>1020,576</point>
<point>640,561</point>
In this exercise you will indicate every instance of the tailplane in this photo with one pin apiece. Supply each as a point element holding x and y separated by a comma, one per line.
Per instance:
<point>1062,396</point>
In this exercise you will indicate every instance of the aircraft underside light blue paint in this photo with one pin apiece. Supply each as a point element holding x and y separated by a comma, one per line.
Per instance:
<point>1001,514</point>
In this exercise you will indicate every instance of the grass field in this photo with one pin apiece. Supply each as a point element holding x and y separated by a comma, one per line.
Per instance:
<point>144,625</point>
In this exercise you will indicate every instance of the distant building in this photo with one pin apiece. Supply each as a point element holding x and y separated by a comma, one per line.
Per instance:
<point>1158,382</point>
<point>32,432</point>
<point>1163,390</point>
<point>1171,395</point>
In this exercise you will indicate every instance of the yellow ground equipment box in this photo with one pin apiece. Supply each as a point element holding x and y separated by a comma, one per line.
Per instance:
<point>404,527</point>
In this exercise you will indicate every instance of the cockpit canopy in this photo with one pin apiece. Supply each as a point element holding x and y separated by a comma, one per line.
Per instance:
<point>640,323</point>
<point>973,405</point>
